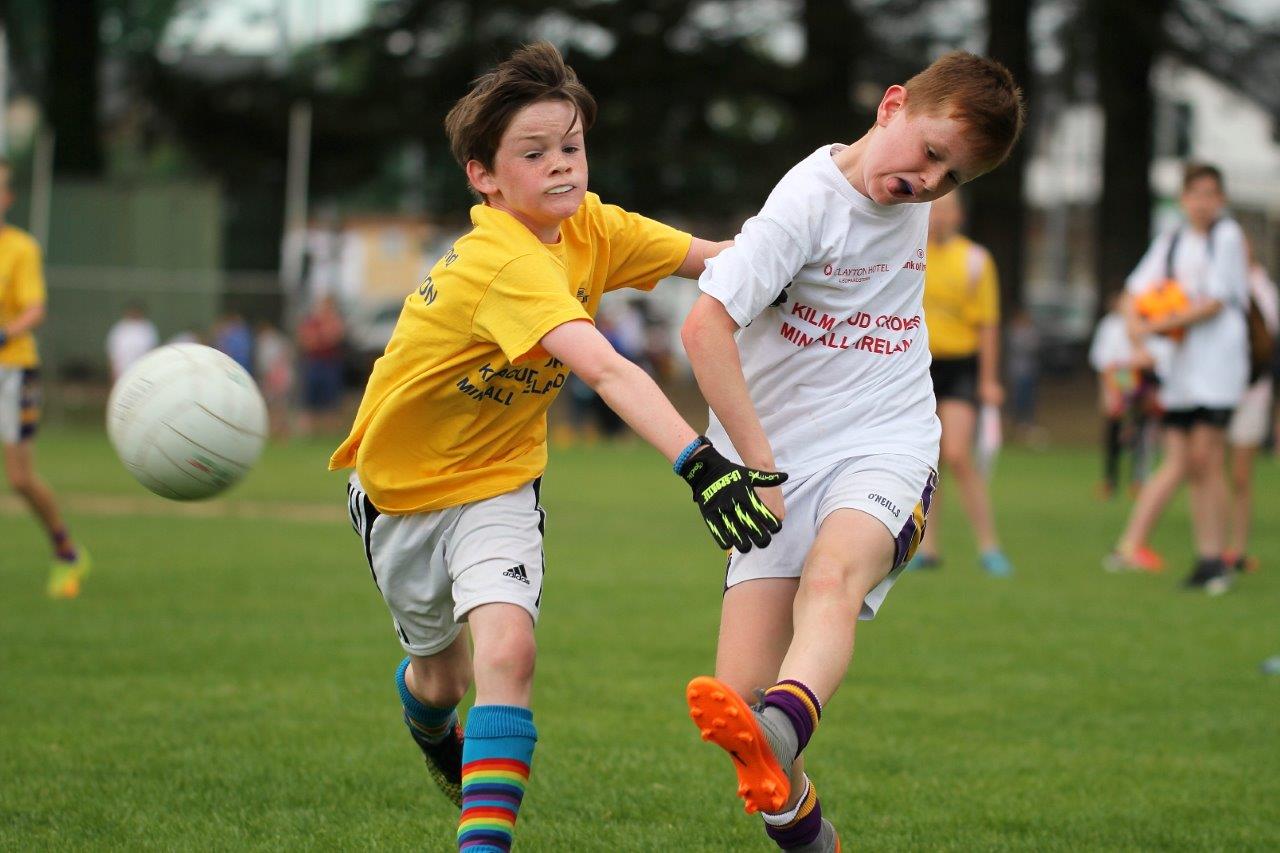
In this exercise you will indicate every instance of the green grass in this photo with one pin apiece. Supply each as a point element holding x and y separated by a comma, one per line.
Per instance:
<point>226,682</point>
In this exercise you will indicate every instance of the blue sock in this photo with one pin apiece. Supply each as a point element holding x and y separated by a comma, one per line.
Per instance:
<point>496,753</point>
<point>424,722</point>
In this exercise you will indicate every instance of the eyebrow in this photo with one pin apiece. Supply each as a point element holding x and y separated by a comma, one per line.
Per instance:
<point>575,131</point>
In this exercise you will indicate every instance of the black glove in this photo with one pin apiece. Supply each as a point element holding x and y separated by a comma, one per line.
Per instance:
<point>725,494</point>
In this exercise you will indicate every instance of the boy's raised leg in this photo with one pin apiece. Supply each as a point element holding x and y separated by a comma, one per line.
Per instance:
<point>433,724</point>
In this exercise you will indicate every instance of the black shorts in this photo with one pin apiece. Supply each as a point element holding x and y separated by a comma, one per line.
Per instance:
<point>1185,419</point>
<point>955,379</point>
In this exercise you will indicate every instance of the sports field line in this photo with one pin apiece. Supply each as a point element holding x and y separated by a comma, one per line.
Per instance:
<point>141,505</point>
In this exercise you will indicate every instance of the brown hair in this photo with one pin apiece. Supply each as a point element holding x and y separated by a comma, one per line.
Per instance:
<point>534,73</point>
<point>1194,171</point>
<point>978,91</point>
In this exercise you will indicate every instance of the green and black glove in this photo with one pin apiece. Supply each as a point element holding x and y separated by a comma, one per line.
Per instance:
<point>725,494</point>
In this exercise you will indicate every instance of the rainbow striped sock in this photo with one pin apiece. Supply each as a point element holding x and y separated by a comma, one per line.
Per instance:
<point>496,753</point>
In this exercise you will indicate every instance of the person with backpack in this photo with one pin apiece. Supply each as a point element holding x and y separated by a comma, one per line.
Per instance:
<point>1247,430</point>
<point>1199,273</point>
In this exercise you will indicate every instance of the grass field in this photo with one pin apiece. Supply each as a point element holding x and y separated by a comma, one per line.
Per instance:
<point>225,681</point>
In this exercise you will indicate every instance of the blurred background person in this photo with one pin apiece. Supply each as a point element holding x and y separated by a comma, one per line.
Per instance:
<point>321,335</point>
<point>962,312</point>
<point>274,357</point>
<point>130,338</point>
<point>232,336</point>
<point>1127,402</point>
<point>1022,362</point>
<point>1207,374</point>
<point>1251,422</point>
<point>22,310</point>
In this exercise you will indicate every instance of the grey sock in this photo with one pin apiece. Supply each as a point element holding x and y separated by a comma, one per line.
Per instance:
<point>780,734</point>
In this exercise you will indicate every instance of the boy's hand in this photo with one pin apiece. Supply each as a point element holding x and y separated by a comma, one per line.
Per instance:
<point>725,494</point>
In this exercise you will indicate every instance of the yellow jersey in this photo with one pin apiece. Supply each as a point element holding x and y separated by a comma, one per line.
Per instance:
<point>21,287</point>
<point>961,295</point>
<point>456,408</point>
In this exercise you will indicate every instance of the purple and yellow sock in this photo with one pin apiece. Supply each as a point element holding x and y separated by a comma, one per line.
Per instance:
<point>800,706</point>
<point>62,547</point>
<point>496,753</point>
<point>800,825</point>
<point>425,723</point>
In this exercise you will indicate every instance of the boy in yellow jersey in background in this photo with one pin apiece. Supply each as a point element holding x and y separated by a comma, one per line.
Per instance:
<point>450,442</point>
<point>962,310</point>
<point>22,310</point>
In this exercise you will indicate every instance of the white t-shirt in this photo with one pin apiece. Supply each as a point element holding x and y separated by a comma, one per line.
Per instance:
<point>1111,347</point>
<point>129,340</point>
<point>1210,367</point>
<point>841,367</point>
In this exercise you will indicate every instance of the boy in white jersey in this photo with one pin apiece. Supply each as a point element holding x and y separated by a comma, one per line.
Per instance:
<point>450,442</point>
<point>1207,373</point>
<point>810,347</point>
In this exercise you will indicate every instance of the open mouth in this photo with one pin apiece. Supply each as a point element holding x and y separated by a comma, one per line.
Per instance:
<point>560,190</point>
<point>900,188</point>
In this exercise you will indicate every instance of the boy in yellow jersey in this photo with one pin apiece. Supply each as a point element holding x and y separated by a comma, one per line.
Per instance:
<point>808,343</point>
<point>962,310</point>
<point>22,310</point>
<point>450,441</point>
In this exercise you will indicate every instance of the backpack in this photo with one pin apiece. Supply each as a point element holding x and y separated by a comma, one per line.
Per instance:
<point>1261,342</point>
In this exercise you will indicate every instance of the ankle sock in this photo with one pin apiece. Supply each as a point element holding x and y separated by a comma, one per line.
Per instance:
<point>62,547</point>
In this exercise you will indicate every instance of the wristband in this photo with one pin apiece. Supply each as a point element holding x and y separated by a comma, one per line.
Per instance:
<point>4,337</point>
<point>692,448</point>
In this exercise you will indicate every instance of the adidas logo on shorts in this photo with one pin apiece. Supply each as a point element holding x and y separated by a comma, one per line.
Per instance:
<point>518,573</point>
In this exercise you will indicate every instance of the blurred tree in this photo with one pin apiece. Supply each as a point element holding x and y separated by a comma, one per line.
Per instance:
<point>1128,38</point>
<point>73,90</point>
<point>997,210</point>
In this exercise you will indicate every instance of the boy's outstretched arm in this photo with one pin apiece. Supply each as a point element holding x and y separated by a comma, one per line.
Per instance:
<point>707,335</point>
<point>725,492</point>
<point>699,252</point>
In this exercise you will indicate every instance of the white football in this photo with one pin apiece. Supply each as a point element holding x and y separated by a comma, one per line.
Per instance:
<point>186,421</point>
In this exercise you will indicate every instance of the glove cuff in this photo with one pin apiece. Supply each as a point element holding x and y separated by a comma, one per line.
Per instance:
<point>693,447</point>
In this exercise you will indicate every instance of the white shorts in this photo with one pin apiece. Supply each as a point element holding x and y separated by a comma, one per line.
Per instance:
<point>1249,422</point>
<point>19,403</point>
<point>895,489</point>
<point>433,568</point>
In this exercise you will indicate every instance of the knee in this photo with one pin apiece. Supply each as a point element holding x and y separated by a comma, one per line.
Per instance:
<point>828,578</point>
<point>511,660</point>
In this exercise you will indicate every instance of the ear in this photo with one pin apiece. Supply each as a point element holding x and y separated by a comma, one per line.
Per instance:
<point>895,99</point>
<point>481,178</point>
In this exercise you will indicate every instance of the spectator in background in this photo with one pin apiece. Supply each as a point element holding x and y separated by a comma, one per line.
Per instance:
<point>1207,375</point>
<point>130,338</point>
<point>232,336</point>
<point>1126,399</point>
<point>320,338</point>
<point>962,313</point>
<point>1022,360</point>
<point>1248,428</point>
<point>273,361</point>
